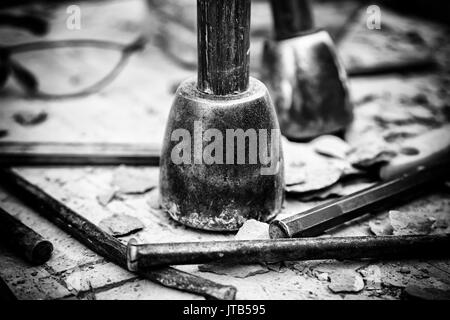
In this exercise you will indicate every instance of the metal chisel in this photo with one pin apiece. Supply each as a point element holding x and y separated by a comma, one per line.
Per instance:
<point>426,160</point>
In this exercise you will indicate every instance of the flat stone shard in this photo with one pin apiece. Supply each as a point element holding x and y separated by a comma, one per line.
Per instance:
<point>330,192</point>
<point>369,155</point>
<point>106,197</point>
<point>153,199</point>
<point>30,118</point>
<point>120,225</point>
<point>294,174</point>
<point>410,223</point>
<point>322,276</point>
<point>346,281</point>
<point>237,271</point>
<point>317,177</point>
<point>380,227</point>
<point>253,230</point>
<point>372,277</point>
<point>130,181</point>
<point>306,170</point>
<point>426,293</point>
<point>331,146</point>
<point>276,267</point>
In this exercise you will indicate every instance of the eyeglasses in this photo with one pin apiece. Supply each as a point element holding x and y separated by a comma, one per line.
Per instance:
<point>67,68</point>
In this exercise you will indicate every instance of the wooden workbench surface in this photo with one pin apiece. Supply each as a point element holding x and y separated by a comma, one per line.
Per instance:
<point>134,108</point>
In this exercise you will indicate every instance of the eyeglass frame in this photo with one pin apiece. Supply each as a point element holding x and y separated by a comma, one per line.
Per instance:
<point>126,51</point>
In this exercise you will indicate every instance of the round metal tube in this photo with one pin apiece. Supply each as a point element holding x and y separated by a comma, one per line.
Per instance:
<point>25,241</point>
<point>253,251</point>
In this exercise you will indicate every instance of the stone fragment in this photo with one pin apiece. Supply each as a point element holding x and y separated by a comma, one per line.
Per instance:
<point>426,293</point>
<point>346,281</point>
<point>277,267</point>
<point>409,223</point>
<point>331,146</point>
<point>106,197</point>
<point>405,270</point>
<point>372,277</point>
<point>306,170</point>
<point>253,230</point>
<point>440,224</point>
<point>153,199</point>
<point>294,174</point>
<point>422,114</point>
<point>237,271</point>
<point>397,116</point>
<point>370,155</point>
<point>130,181</point>
<point>3,133</point>
<point>322,276</point>
<point>317,177</point>
<point>330,192</point>
<point>380,228</point>
<point>399,134</point>
<point>30,118</point>
<point>120,225</point>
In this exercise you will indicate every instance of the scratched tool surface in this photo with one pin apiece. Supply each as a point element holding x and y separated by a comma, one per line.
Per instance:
<point>389,109</point>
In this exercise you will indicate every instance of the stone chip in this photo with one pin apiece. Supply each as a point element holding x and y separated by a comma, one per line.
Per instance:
<point>119,225</point>
<point>346,281</point>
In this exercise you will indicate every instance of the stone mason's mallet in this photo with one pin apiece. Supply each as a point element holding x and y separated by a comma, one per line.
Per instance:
<point>304,75</point>
<point>219,191</point>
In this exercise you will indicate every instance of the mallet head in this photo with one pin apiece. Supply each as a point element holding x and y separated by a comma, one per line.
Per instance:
<point>222,161</point>
<point>304,75</point>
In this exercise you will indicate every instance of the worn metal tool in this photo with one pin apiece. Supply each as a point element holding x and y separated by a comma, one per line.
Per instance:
<point>104,244</point>
<point>424,162</point>
<point>145,256</point>
<point>304,76</point>
<point>220,130</point>
<point>24,240</point>
<point>62,153</point>
<point>382,196</point>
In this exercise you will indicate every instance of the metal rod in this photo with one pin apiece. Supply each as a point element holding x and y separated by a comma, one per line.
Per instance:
<point>383,195</point>
<point>23,240</point>
<point>58,153</point>
<point>104,244</point>
<point>223,46</point>
<point>144,256</point>
<point>291,17</point>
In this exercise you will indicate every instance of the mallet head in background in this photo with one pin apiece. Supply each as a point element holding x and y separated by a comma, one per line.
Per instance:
<point>304,76</point>
<point>214,170</point>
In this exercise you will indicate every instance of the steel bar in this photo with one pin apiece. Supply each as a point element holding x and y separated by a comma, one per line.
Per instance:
<point>58,153</point>
<point>23,240</point>
<point>381,196</point>
<point>144,256</point>
<point>104,244</point>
